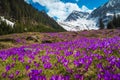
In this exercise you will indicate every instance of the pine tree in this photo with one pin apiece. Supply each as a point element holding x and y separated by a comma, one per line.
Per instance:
<point>110,25</point>
<point>118,21</point>
<point>101,24</point>
<point>5,28</point>
<point>115,23</point>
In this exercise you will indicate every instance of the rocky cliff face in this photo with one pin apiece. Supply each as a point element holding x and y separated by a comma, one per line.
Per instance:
<point>77,15</point>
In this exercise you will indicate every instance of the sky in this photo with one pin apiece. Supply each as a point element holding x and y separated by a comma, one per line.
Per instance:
<point>60,9</point>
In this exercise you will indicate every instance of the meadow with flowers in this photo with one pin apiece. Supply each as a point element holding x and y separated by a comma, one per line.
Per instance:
<point>85,55</point>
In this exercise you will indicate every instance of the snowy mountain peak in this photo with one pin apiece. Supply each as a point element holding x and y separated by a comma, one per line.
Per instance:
<point>112,3</point>
<point>77,15</point>
<point>75,11</point>
<point>77,21</point>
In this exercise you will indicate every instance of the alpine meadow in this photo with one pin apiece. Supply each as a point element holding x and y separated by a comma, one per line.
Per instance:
<point>59,39</point>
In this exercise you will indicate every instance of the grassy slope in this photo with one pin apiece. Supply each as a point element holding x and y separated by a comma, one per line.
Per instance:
<point>24,15</point>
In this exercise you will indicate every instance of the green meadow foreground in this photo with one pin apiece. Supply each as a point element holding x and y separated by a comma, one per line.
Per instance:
<point>85,55</point>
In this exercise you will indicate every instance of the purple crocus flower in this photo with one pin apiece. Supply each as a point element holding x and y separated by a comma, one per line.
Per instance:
<point>78,76</point>
<point>8,68</point>
<point>12,65</point>
<point>100,76</point>
<point>29,61</point>
<point>47,65</point>
<point>4,75</point>
<point>54,77</point>
<point>77,63</point>
<point>77,54</point>
<point>37,65</point>
<point>35,72</point>
<point>11,76</point>
<point>99,66</point>
<point>17,72</point>
<point>27,67</point>
<point>41,77</point>
<point>14,59</point>
<point>66,77</point>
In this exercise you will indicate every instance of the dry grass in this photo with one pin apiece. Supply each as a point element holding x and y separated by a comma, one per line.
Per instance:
<point>20,39</point>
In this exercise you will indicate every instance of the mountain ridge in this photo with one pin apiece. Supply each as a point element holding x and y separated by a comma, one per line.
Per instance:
<point>77,15</point>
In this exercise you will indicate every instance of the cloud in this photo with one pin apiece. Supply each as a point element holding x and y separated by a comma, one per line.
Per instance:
<point>85,9</point>
<point>57,8</point>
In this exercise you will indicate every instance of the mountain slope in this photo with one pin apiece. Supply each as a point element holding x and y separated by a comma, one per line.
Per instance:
<point>20,12</point>
<point>77,21</point>
<point>77,15</point>
<point>85,21</point>
<point>106,11</point>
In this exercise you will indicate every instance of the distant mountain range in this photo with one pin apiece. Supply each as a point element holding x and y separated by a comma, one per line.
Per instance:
<point>19,12</point>
<point>77,20</point>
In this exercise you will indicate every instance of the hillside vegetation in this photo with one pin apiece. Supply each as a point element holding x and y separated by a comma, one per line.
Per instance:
<point>26,18</point>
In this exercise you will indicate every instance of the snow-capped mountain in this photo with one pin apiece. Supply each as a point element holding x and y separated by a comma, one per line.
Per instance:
<point>78,25</point>
<point>106,11</point>
<point>77,21</point>
<point>77,15</point>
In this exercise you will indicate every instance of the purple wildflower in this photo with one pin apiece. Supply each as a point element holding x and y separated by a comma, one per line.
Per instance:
<point>4,75</point>
<point>11,76</point>
<point>17,72</point>
<point>27,67</point>
<point>8,68</point>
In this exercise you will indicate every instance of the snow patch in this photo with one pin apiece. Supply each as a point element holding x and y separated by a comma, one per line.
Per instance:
<point>7,21</point>
<point>112,14</point>
<point>112,3</point>
<point>109,14</point>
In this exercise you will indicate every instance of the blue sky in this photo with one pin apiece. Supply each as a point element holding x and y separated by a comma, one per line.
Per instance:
<point>88,3</point>
<point>60,9</point>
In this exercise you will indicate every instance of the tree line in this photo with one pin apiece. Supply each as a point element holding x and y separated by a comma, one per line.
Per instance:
<point>113,24</point>
<point>20,28</point>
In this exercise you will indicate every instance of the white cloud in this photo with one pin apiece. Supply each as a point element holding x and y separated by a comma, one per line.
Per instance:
<point>85,9</point>
<point>57,8</point>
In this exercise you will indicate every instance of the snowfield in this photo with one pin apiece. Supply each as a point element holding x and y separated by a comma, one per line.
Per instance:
<point>79,25</point>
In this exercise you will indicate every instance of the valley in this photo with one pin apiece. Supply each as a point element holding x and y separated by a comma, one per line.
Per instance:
<point>35,44</point>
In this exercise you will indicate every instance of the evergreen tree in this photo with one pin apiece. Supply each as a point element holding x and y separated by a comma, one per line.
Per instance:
<point>101,24</point>
<point>5,28</point>
<point>110,25</point>
<point>118,22</point>
<point>115,23</point>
